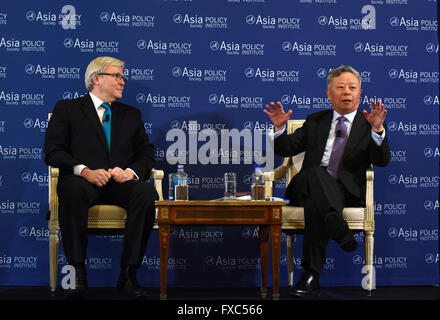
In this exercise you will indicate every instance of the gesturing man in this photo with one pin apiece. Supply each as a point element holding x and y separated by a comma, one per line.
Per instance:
<point>339,145</point>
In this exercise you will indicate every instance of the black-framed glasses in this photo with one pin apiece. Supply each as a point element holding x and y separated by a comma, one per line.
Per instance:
<point>117,76</point>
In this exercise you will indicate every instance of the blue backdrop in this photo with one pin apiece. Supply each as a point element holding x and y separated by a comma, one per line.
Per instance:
<point>201,72</point>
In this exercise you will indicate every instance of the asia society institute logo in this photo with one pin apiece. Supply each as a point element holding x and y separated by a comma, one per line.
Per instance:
<point>23,231</point>
<point>26,177</point>
<point>104,16</point>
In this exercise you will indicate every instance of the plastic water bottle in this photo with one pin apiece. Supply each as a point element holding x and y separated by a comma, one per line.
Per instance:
<point>258,184</point>
<point>180,184</point>
<point>171,186</point>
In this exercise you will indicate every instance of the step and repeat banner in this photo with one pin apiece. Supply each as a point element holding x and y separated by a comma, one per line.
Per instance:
<point>201,73</point>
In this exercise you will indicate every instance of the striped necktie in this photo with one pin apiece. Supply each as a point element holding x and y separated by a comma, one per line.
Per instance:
<point>338,147</point>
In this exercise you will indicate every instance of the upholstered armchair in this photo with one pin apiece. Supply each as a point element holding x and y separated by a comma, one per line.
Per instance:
<point>100,217</point>
<point>359,219</point>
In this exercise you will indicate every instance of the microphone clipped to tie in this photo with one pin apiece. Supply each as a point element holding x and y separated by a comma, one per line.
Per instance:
<point>107,118</point>
<point>338,133</point>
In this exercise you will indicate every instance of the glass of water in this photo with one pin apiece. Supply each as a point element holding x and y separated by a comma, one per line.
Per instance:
<point>230,185</point>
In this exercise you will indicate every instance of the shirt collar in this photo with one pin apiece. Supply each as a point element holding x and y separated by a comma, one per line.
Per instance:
<point>349,116</point>
<point>96,101</point>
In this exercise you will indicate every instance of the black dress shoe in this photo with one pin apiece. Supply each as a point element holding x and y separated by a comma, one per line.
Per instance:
<point>307,286</point>
<point>338,230</point>
<point>128,285</point>
<point>80,283</point>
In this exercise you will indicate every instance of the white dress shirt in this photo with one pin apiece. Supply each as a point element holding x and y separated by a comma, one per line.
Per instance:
<point>100,111</point>
<point>331,137</point>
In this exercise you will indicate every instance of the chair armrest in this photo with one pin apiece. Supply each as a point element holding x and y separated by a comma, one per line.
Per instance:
<point>157,176</point>
<point>53,198</point>
<point>369,201</point>
<point>276,174</point>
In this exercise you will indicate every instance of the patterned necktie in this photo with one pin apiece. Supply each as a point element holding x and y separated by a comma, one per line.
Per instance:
<point>338,147</point>
<point>107,122</point>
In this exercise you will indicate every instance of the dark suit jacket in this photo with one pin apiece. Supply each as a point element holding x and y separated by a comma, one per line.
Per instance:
<point>360,152</point>
<point>75,136</point>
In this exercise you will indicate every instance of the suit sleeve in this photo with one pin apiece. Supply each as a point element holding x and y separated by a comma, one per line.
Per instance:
<point>380,155</point>
<point>288,145</point>
<point>57,139</point>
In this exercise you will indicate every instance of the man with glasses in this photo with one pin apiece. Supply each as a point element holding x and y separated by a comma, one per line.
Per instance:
<point>104,157</point>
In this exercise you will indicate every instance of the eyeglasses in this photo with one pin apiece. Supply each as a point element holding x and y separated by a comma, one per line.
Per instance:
<point>117,76</point>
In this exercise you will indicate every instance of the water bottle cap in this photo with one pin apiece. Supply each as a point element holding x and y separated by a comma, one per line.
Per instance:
<point>180,166</point>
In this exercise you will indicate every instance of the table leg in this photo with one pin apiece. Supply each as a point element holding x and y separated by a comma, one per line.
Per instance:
<point>264,253</point>
<point>275,235</point>
<point>164,242</point>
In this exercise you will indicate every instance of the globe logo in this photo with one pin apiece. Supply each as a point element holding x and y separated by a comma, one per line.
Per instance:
<point>322,73</point>
<point>140,97</point>
<point>29,69</point>
<point>429,258</point>
<point>246,233</point>
<point>67,95</point>
<point>177,71</point>
<point>214,45</point>
<point>141,44</point>
<point>394,21</point>
<point>104,16</point>
<point>209,260</point>
<point>28,123</point>
<point>62,259</point>
<point>428,100</point>
<point>174,234</point>
<point>68,43</point>
<point>248,125</point>
<point>23,231</point>
<point>322,20</point>
<point>177,18</point>
<point>428,152</point>
<point>392,126</point>
<point>392,179</point>
<point>430,47</point>
<point>358,47</point>
<point>30,16</point>
<point>283,260</point>
<point>393,73</point>
<point>357,259</point>
<point>392,232</point>
<point>249,72</point>
<point>287,46</point>
<point>250,19</point>
<point>26,177</point>
<point>428,205</point>
<point>175,124</point>
<point>213,98</point>
<point>285,99</point>
<point>247,179</point>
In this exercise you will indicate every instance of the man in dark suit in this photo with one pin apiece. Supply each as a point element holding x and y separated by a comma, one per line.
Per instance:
<point>98,167</point>
<point>339,146</point>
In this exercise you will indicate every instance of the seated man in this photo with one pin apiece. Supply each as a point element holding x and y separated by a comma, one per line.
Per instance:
<point>104,157</point>
<point>339,145</point>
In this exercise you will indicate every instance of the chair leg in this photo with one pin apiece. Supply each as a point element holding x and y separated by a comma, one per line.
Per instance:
<point>370,277</point>
<point>290,256</point>
<point>53,258</point>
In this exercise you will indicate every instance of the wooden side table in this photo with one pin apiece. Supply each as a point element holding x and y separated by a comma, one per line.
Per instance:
<point>265,214</point>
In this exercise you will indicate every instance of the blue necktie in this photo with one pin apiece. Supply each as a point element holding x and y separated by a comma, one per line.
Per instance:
<point>338,147</point>
<point>107,122</point>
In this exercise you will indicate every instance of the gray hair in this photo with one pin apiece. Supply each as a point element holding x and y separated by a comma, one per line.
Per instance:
<point>98,65</point>
<point>337,72</point>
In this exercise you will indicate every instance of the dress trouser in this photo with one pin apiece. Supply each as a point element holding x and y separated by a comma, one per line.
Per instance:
<point>321,195</point>
<point>76,195</point>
